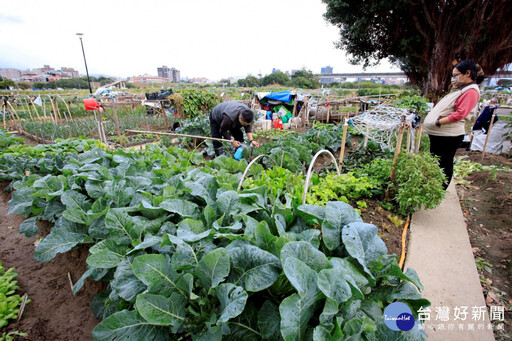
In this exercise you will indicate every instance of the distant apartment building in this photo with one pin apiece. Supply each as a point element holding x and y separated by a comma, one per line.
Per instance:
<point>164,72</point>
<point>172,74</point>
<point>71,71</point>
<point>274,70</point>
<point>10,73</point>
<point>175,75</point>
<point>326,71</point>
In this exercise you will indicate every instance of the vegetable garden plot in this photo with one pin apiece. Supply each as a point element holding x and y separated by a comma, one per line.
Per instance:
<point>191,257</point>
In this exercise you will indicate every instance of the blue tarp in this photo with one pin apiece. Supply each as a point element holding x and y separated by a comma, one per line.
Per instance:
<point>283,96</point>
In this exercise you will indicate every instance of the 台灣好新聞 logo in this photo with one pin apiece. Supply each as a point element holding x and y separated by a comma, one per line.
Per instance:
<point>398,316</point>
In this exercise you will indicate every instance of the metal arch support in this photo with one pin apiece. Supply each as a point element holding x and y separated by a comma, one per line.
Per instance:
<point>249,166</point>
<point>310,171</point>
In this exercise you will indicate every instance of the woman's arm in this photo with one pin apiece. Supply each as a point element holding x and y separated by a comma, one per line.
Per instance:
<point>463,106</point>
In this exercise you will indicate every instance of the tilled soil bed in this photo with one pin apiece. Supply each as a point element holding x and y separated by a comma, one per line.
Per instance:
<point>54,313</point>
<point>487,205</point>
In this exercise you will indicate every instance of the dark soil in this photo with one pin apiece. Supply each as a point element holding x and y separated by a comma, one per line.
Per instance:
<point>487,206</point>
<point>53,313</point>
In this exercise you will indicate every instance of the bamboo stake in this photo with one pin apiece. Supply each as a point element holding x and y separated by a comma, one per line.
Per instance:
<point>420,131</point>
<point>3,114</point>
<point>34,107</point>
<point>343,141</point>
<point>408,140</point>
<point>44,109</point>
<point>488,133</point>
<point>328,113</point>
<point>67,106</point>
<point>29,102</point>
<point>173,134</point>
<point>397,151</point>
<point>102,128</point>
<point>118,127</point>
<point>14,110</point>
<point>23,105</point>
<point>366,137</point>
<point>56,118</point>
<point>164,113</point>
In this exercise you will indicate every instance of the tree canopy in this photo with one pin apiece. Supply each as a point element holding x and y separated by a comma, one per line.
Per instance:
<point>249,81</point>
<point>305,79</point>
<point>5,83</point>
<point>424,37</point>
<point>276,78</point>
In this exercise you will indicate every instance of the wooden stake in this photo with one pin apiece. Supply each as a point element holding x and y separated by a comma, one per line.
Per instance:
<point>294,112</point>
<point>118,127</point>
<point>408,140</point>
<point>343,141</point>
<point>4,112</point>
<point>23,105</point>
<point>70,282</point>
<point>22,307</point>
<point>418,143</point>
<point>37,112</point>
<point>488,133</point>
<point>44,109</point>
<point>164,113</point>
<point>102,128</point>
<point>55,117</point>
<point>31,104</point>
<point>67,106</point>
<point>14,110</point>
<point>328,113</point>
<point>397,151</point>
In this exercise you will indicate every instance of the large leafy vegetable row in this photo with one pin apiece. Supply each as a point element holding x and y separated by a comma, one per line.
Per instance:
<point>188,257</point>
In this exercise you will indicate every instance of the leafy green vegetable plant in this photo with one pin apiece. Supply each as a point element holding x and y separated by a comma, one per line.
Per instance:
<point>186,257</point>
<point>9,301</point>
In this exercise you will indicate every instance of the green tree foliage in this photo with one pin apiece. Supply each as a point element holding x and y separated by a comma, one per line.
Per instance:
<point>424,37</point>
<point>505,82</point>
<point>73,83</point>
<point>23,86</point>
<point>305,79</point>
<point>5,83</point>
<point>251,81</point>
<point>276,78</point>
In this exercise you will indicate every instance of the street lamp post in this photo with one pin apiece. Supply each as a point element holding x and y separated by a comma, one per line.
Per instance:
<point>85,61</point>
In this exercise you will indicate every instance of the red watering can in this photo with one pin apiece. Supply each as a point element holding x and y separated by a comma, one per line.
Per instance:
<point>92,104</point>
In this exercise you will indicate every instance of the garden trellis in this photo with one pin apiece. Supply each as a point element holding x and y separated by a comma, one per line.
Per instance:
<point>381,125</point>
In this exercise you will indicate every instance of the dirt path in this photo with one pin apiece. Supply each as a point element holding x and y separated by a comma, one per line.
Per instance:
<point>53,313</point>
<point>487,206</point>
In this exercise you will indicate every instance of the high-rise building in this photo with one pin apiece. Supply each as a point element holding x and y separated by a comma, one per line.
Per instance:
<point>164,72</point>
<point>175,75</point>
<point>171,74</point>
<point>275,70</point>
<point>326,71</point>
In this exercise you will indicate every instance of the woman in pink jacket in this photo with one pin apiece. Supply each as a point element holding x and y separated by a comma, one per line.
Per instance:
<point>445,122</point>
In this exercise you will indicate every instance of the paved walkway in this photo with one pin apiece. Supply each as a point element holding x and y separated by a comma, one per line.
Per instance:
<point>440,252</point>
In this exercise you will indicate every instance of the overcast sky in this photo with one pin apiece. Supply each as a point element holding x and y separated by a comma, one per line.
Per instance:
<point>201,38</point>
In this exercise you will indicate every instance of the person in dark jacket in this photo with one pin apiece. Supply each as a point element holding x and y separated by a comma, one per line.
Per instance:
<point>226,121</point>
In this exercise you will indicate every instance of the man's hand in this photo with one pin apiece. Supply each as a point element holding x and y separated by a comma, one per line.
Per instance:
<point>255,144</point>
<point>235,143</point>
